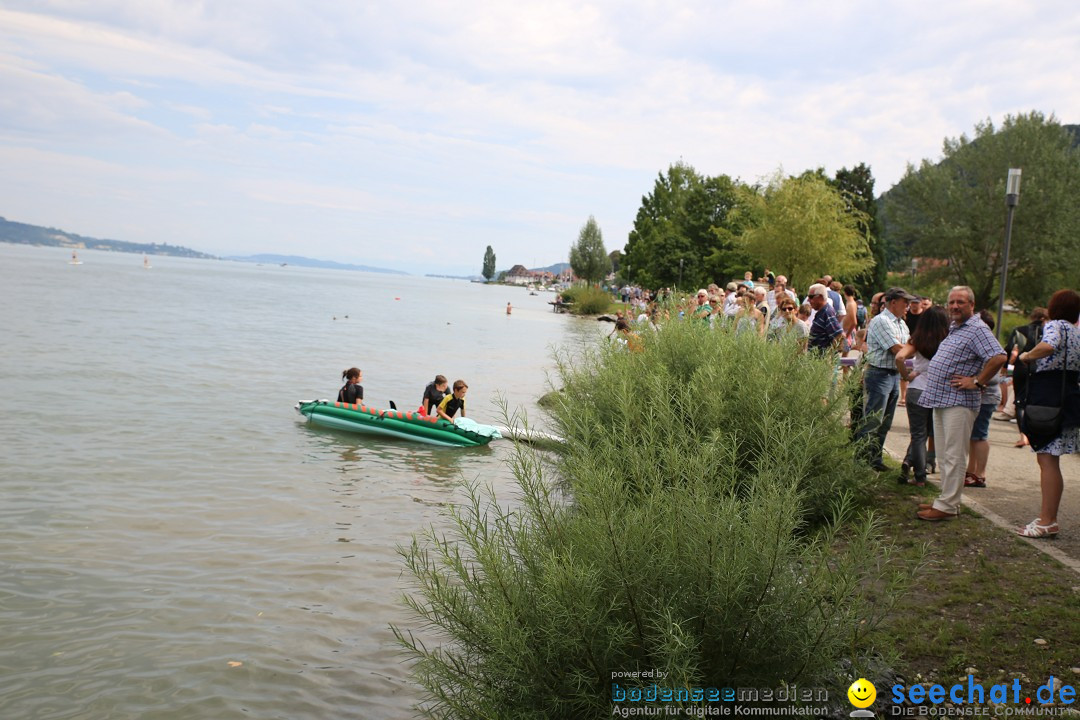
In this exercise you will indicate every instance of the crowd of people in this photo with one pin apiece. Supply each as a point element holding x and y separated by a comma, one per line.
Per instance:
<point>943,364</point>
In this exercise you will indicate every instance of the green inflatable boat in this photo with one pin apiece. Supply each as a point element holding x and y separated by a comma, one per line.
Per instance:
<point>396,423</point>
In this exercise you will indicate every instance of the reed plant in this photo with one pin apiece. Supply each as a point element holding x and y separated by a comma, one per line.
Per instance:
<point>587,300</point>
<point>728,408</point>
<point>672,534</point>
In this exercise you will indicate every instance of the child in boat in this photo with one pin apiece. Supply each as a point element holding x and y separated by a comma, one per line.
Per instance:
<point>352,391</point>
<point>453,402</point>
<point>433,394</point>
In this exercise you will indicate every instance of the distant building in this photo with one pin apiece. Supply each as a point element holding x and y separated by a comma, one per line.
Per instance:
<point>519,275</point>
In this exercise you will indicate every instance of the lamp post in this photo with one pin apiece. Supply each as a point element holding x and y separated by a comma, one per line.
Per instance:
<point>1012,198</point>
<point>914,269</point>
<point>680,272</point>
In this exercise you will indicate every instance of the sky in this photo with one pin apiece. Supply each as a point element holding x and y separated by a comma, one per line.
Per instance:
<point>411,136</point>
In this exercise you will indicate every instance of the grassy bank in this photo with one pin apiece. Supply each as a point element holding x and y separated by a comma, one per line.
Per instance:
<point>981,602</point>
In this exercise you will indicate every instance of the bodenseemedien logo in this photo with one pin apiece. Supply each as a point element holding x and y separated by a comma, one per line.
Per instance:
<point>862,694</point>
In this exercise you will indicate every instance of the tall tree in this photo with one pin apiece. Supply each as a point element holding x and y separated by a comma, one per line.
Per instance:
<point>955,209</point>
<point>804,227</point>
<point>616,260</point>
<point>681,229</point>
<point>489,264</point>
<point>857,187</point>
<point>588,257</point>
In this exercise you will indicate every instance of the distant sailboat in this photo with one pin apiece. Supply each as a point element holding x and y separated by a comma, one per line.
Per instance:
<point>74,259</point>
<point>146,263</point>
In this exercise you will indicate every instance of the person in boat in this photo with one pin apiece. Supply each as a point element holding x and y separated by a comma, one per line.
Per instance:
<point>434,394</point>
<point>453,402</point>
<point>352,391</point>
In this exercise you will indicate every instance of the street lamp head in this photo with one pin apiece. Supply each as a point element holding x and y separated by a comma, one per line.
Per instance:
<point>1012,187</point>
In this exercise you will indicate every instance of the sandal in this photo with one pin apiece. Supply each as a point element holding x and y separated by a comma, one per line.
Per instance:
<point>1034,530</point>
<point>973,480</point>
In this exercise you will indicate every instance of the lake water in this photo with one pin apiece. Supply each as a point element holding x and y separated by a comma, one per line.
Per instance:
<point>175,542</point>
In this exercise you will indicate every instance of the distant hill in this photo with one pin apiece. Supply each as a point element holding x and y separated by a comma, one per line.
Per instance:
<point>23,234</point>
<point>456,277</point>
<point>310,262</point>
<point>555,269</point>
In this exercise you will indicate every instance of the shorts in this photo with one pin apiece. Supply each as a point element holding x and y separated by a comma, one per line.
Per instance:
<point>981,429</point>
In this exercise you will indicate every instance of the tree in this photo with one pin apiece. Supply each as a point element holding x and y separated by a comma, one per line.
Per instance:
<point>684,227</point>
<point>805,228</point>
<point>588,258</point>
<point>489,264</point>
<point>955,209</point>
<point>615,256</point>
<point>857,186</point>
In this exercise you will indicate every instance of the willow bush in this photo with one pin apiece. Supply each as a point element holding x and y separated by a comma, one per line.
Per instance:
<point>731,407</point>
<point>683,528</point>
<point>587,300</point>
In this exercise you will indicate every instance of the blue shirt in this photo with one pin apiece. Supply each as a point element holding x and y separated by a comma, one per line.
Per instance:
<point>964,352</point>
<point>884,331</point>
<point>825,328</point>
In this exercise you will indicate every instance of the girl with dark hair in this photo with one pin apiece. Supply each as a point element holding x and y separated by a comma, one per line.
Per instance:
<point>352,391</point>
<point>933,327</point>
<point>1056,361</point>
<point>433,394</point>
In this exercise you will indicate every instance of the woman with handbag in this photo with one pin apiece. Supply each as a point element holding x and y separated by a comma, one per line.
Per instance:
<point>1052,407</point>
<point>1023,338</point>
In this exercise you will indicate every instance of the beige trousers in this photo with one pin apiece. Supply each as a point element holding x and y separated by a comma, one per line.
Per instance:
<point>952,438</point>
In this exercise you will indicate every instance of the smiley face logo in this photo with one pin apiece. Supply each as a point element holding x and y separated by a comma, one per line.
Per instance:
<point>862,693</point>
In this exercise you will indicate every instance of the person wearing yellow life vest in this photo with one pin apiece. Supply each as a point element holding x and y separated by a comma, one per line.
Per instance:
<point>453,402</point>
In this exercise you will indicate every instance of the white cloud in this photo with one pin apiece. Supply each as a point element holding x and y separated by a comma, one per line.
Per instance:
<point>450,126</point>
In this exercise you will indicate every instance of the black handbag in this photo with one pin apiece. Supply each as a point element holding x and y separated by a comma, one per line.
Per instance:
<point>1044,421</point>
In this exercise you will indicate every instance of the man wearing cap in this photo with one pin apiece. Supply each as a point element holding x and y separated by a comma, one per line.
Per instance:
<point>731,302</point>
<point>964,363</point>
<point>886,334</point>
<point>825,330</point>
<point>703,311</point>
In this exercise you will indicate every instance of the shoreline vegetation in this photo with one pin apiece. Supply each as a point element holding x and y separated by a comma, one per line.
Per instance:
<point>706,518</point>
<point>719,537</point>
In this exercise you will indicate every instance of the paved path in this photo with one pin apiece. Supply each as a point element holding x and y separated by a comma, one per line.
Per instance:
<point>1011,496</point>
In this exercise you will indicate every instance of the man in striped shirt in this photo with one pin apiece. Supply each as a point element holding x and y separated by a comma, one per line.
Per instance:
<point>885,335</point>
<point>962,366</point>
<point>825,330</point>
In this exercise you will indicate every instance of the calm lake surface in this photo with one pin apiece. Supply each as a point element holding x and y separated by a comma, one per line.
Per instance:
<point>164,512</point>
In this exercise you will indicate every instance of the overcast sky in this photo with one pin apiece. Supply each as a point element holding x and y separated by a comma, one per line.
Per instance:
<point>412,135</point>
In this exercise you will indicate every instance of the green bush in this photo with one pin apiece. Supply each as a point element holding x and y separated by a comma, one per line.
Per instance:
<point>670,534</point>
<point>535,608</point>
<point>711,404</point>
<point>587,300</point>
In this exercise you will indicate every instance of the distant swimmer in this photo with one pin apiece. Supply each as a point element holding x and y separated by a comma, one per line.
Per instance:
<point>508,308</point>
<point>352,391</point>
<point>454,402</point>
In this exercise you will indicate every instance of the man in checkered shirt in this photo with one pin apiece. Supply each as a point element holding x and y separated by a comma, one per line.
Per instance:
<point>963,364</point>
